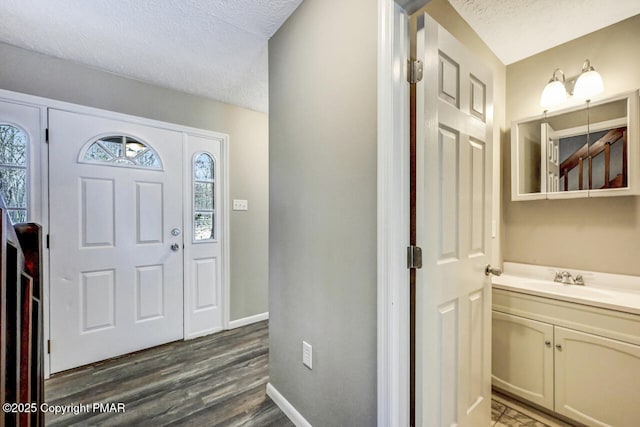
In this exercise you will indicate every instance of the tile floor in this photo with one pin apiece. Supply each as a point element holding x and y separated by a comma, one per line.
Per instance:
<point>506,412</point>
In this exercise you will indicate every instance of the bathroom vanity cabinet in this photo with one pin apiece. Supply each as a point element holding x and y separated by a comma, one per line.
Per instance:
<point>580,361</point>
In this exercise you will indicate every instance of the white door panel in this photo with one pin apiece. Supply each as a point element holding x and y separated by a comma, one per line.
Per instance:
<point>202,255</point>
<point>116,283</point>
<point>454,136</point>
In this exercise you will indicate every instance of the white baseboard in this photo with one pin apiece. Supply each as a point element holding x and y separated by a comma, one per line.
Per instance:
<point>248,320</point>
<point>286,407</point>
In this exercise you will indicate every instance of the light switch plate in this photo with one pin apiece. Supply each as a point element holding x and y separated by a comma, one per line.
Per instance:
<point>240,205</point>
<point>307,354</point>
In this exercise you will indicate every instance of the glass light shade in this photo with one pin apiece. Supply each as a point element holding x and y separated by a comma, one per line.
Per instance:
<point>588,84</point>
<point>554,93</point>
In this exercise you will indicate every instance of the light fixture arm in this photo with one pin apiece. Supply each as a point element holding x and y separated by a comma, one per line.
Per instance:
<point>554,78</point>
<point>586,66</point>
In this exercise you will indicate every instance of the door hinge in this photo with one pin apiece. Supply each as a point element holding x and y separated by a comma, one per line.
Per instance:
<point>47,241</point>
<point>414,71</point>
<point>46,135</point>
<point>48,346</point>
<point>414,257</point>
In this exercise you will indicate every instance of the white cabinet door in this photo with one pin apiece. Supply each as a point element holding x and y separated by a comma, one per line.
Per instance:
<point>597,379</point>
<point>116,267</point>
<point>522,358</point>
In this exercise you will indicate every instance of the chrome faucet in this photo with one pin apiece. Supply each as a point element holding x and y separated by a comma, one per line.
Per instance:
<point>566,278</point>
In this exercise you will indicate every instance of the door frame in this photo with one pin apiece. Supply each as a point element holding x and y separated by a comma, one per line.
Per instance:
<point>44,104</point>
<point>393,211</point>
<point>393,214</point>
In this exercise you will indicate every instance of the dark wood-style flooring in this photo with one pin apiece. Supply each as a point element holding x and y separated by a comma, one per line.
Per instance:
<point>218,380</point>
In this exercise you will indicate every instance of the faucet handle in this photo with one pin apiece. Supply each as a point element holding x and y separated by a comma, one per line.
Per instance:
<point>578,280</point>
<point>558,277</point>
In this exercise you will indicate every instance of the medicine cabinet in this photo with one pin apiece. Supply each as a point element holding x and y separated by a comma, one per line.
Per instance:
<point>585,151</point>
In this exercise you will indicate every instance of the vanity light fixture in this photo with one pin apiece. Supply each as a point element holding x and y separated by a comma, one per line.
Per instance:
<point>554,92</point>
<point>589,83</point>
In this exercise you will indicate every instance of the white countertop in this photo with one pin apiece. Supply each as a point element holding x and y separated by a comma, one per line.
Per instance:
<point>611,291</point>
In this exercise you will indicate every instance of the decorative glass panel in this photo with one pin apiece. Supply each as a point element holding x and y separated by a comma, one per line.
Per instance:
<point>17,216</point>
<point>203,192</point>
<point>13,171</point>
<point>122,150</point>
<point>13,187</point>
<point>13,146</point>
<point>203,167</point>
<point>204,197</point>
<point>96,153</point>
<point>203,226</point>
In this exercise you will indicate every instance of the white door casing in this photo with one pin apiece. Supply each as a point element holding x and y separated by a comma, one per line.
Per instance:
<point>203,263</point>
<point>454,110</point>
<point>116,284</point>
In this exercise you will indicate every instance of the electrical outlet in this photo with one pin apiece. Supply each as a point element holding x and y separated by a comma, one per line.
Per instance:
<point>240,205</point>
<point>307,354</point>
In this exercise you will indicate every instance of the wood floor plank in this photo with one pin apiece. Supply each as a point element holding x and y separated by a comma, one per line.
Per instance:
<point>218,380</point>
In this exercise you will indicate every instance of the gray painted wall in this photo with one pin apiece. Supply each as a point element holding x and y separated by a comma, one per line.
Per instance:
<point>323,185</point>
<point>32,73</point>
<point>322,196</point>
<point>598,234</point>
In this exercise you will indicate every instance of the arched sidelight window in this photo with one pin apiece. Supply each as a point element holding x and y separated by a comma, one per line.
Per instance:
<point>204,203</point>
<point>14,176</point>
<point>121,150</point>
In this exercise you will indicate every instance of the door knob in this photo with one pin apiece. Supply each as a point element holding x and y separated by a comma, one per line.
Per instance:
<point>547,343</point>
<point>496,271</point>
<point>175,247</point>
<point>559,347</point>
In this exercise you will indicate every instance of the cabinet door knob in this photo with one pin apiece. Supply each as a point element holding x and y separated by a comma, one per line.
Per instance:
<point>547,343</point>
<point>559,347</point>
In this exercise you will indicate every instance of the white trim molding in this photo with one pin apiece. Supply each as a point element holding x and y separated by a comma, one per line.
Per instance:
<point>286,407</point>
<point>248,320</point>
<point>393,213</point>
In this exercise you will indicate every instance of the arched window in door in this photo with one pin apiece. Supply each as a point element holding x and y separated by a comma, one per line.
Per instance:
<point>13,171</point>
<point>121,150</point>
<point>204,203</point>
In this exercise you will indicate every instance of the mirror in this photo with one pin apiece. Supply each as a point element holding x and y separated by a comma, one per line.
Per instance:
<point>579,152</point>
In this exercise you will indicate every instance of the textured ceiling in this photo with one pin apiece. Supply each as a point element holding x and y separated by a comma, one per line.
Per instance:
<point>214,48</point>
<point>517,29</point>
<point>218,48</point>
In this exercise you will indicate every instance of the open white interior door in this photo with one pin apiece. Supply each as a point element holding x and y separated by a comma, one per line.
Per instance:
<point>454,111</point>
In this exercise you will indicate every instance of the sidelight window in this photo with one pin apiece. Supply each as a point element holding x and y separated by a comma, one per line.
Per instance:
<point>204,215</point>
<point>13,171</point>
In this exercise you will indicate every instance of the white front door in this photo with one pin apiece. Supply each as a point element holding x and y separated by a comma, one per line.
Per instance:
<point>116,238</point>
<point>454,113</point>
